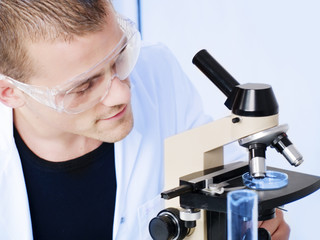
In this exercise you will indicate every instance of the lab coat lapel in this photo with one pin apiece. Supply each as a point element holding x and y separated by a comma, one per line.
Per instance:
<point>15,221</point>
<point>126,153</point>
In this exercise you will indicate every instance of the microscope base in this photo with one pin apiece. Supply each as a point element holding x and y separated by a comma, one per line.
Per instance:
<point>215,205</point>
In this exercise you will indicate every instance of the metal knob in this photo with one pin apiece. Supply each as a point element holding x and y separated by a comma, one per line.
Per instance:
<point>168,226</point>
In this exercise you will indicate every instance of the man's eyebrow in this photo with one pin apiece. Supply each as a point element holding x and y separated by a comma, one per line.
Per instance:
<point>84,81</point>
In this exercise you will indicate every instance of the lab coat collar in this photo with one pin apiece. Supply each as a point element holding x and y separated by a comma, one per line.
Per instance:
<point>15,221</point>
<point>126,152</point>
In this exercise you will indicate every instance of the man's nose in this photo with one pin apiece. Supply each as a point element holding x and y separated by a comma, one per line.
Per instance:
<point>119,93</point>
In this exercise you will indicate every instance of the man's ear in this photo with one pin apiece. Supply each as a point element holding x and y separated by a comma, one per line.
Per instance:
<point>10,96</point>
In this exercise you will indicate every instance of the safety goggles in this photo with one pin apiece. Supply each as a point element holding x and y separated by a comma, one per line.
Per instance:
<point>91,87</point>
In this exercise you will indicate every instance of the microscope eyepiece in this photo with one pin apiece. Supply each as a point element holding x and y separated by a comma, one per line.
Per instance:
<point>215,72</point>
<point>284,146</point>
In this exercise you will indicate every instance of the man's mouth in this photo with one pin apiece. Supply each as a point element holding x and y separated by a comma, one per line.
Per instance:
<point>117,114</point>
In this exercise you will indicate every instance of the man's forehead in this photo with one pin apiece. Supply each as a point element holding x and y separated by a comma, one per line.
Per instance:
<point>61,60</point>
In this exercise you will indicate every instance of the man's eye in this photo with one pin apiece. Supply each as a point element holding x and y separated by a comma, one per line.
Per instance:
<point>87,86</point>
<point>82,88</point>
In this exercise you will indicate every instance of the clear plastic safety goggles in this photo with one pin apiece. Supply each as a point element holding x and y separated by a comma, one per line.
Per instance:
<point>91,87</point>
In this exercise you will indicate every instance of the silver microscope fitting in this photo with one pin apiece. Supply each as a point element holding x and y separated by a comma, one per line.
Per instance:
<point>257,144</point>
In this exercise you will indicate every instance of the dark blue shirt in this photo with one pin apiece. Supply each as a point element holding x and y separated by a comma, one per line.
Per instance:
<point>73,199</point>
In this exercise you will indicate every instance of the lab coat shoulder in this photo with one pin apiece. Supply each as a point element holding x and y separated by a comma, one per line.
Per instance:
<point>178,103</point>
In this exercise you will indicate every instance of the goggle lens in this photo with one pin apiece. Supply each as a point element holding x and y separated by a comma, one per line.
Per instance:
<point>88,93</point>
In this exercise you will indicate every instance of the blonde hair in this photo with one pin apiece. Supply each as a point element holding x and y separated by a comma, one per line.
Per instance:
<point>48,20</point>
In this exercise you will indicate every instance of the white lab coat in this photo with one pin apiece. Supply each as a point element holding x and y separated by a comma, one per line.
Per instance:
<point>164,103</point>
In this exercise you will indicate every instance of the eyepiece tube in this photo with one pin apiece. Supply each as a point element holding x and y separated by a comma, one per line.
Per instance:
<point>215,72</point>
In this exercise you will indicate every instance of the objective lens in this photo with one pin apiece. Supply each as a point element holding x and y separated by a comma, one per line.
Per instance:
<point>257,159</point>
<point>287,149</point>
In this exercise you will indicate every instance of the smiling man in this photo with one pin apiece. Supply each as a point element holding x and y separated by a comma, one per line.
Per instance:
<point>81,142</point>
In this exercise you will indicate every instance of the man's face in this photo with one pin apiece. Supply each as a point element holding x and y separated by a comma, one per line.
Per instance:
<point>57,62</point>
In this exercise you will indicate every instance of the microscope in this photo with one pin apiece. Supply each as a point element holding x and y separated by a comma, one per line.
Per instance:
<point>197,208</point>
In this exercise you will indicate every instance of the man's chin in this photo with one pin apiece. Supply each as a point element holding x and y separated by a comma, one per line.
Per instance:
<point>121,136</point>
<point>117,134</point>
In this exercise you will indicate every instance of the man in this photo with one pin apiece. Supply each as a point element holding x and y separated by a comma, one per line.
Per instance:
<point>81,144</point>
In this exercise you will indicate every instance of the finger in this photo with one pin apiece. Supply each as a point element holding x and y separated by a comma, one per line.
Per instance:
<point>272,225</point>
<point>282,233</point>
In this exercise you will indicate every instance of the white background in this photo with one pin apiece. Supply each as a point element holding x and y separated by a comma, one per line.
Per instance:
<point>266,41</point>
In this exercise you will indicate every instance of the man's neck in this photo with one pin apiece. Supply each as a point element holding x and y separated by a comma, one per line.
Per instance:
<point>51,145</point>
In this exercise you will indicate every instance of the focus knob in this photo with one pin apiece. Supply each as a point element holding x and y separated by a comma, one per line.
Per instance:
<point>167,226</point>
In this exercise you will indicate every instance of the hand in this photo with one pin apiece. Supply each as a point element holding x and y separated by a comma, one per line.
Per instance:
<point>277,227</point>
